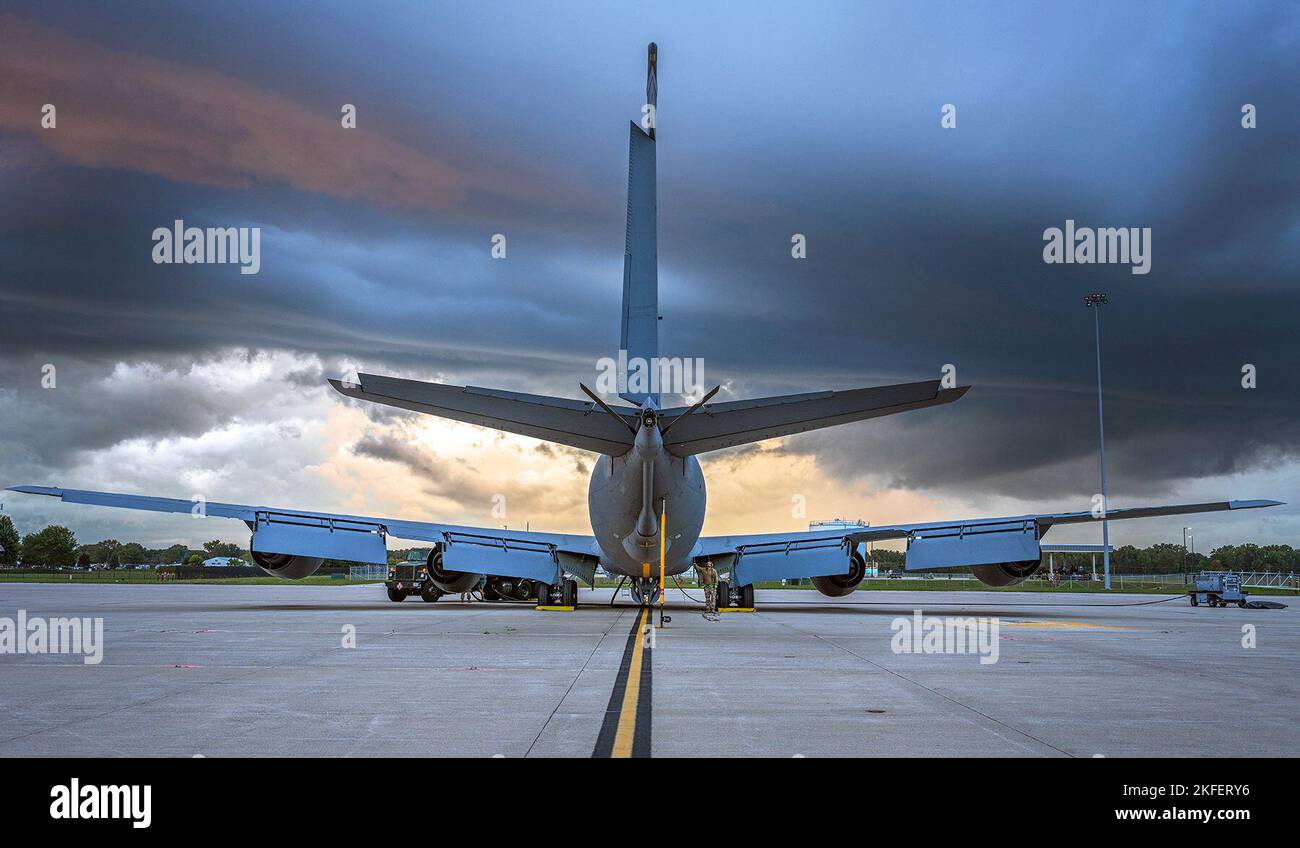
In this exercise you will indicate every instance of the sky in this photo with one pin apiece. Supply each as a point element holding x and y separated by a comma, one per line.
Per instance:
<point>924,249</point>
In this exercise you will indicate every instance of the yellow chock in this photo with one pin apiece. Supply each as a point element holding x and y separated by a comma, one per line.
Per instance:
<point>556,609</point>
<point>736,609</point>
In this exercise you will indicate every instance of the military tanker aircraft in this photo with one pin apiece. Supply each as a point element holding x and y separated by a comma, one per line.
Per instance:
<point>646,498</point>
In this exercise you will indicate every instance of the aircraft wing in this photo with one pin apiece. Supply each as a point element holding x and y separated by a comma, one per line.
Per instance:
<point>513,553</point>
<point>930,546</point>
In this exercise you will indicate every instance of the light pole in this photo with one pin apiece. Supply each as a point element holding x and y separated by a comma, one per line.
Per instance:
<point>1096,300</point>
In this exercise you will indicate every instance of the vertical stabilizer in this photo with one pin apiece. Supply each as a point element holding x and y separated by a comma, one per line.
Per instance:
<point>640,336</point>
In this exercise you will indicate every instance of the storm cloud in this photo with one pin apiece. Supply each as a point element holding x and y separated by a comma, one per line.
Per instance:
<point>924,244</point>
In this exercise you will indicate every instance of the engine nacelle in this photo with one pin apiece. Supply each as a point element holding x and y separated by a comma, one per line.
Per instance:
<point>839,585</point>
<point>450,582</point>
<point>1007,573</point>
<point>286,565</point>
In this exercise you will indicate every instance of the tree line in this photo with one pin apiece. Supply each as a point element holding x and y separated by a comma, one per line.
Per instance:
<point>56,545</point>
<point>1162,558</point>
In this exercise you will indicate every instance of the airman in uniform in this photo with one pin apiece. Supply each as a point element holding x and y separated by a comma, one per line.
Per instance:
<point>707,576</point>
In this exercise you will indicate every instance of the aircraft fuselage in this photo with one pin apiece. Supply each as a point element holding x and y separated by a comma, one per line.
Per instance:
<point>619,494</point>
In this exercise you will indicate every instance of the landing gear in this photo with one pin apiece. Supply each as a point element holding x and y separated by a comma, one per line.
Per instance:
<point>735,597</point>
<point>396,595</point>
<point>566,594</point>
<point>645,591</point>
<point>508,589</point>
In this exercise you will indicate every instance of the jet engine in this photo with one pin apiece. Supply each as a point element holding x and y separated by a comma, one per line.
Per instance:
<point>839,585</point>
<point>450,582</point>
<point>286,565</point>
<point>1006,573</point>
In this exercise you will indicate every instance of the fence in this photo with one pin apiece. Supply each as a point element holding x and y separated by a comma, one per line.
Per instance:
<point>1270,579</point>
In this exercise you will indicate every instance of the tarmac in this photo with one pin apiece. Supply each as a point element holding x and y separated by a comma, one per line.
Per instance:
<point>229,670</point>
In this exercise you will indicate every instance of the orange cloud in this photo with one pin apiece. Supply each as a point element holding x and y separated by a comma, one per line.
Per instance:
<point>118,109</point>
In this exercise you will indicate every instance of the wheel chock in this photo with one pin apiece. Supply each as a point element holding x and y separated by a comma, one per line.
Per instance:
<point>736,609</point>
<point>550,608</point>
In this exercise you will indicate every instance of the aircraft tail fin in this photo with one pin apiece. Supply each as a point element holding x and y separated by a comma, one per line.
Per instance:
<point>640,330</point>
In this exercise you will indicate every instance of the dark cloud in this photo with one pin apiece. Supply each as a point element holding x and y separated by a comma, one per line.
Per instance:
<point>924,244</point>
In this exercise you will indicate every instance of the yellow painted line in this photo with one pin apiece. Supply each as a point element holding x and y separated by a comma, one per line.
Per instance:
<point>631,694</point>
<point>735,609</point>
<point>557,609</point>
<point>1042,624</point>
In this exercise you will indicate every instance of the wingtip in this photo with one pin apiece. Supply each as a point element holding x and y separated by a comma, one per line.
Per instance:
<point>1255,504</point>
<point>343,387</point>
<point>950,395</point>
<point>37,490</point>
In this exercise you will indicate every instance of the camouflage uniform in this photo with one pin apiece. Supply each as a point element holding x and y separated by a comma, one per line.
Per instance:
<point>708,577</point>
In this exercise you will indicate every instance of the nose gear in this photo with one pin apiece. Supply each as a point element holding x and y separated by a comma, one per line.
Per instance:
<point>645,591</point>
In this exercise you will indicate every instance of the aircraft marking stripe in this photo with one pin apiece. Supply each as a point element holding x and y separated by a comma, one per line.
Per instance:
<point>625,731</point>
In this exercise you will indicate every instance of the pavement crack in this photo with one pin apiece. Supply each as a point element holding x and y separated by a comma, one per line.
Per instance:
<point>573,682</point>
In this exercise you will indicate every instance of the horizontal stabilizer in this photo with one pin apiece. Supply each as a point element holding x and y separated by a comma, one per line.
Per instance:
<point>723,425</point>
<point>578,424</point>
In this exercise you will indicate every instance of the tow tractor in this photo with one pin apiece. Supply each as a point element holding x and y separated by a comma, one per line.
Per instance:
<point>1218,589</point>
<point>412,578</point>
